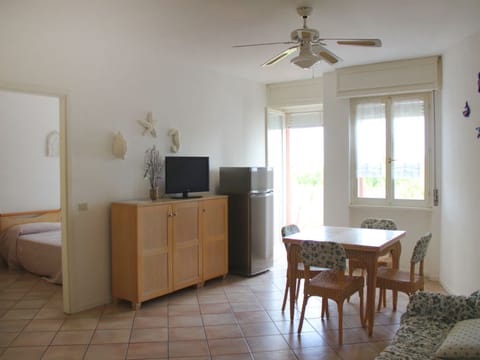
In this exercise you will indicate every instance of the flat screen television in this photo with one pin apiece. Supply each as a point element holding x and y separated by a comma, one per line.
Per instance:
<point>186,174</point>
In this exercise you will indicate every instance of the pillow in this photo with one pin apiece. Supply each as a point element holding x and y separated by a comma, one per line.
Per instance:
<point>38,227</point>
<point>463,341</point>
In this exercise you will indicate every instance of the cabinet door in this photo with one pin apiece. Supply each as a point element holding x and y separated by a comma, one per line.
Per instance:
<point>153,260</point>
<point>215,238</point>
<point>186,244</point>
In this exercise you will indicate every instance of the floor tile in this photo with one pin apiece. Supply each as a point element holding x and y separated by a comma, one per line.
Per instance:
<point>151,350</point>
<point>275,355</point>
<point>188,348</point>
<point>6,338</point>
<point>223,331</point>
<point>74,337</point>
<point>267,343</point>
<point>246,317</point>
<point>184,321</point>
<point>318,353</point>
<point>228,346</point>
<point>70,352</point>
<point>150,322</point>
<point>219,319</point>
<point>24,353</point>
<point>46,325</point>
<point>33,338</point>
<point>12,325</point>
<point>218,308</point>
<point>183,310</point>
<point>149,335</point>
<point>106,352</point>
<point>20,314</point>
<point>190,333</point>
<point>79,323</point>
<point>116,336</point>
<point>116,321</point>
<point>262,328</point>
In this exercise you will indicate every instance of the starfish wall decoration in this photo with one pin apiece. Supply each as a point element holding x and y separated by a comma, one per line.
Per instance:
<point>149,125</point>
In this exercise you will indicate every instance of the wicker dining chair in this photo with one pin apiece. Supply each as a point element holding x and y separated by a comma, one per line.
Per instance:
<point>329,284</point>
<point>299,271</point>
<point>406,282</point>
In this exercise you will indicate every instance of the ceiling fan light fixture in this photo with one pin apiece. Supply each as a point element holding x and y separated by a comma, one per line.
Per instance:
<point>306,58</point>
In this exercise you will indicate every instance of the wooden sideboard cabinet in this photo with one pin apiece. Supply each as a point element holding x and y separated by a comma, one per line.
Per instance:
<point>163,246</point>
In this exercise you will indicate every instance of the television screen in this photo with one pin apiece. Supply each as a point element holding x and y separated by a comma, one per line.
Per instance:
<point>186,174</point>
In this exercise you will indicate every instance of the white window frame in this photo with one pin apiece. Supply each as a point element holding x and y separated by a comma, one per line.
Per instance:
<point>429,140</point>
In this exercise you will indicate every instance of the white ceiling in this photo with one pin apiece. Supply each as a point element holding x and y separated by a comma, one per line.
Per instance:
<point>203,31</point>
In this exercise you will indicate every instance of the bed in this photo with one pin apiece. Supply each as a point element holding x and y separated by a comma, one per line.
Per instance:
<point>32,241</point>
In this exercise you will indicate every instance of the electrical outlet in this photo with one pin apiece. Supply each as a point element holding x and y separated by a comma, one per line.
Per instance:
<point>83,206</point>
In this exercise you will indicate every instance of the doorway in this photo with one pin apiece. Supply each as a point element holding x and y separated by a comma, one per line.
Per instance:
<point>38,118</point>
<point>295,152</point>
<point>304,170</point>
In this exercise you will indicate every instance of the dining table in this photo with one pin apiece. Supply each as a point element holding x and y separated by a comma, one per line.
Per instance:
<point>362,244</point>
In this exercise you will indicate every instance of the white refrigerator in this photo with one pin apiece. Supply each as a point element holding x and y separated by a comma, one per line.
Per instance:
<point>250,218</point>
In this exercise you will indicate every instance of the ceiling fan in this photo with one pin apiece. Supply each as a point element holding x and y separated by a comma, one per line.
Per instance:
<point>310,46</point>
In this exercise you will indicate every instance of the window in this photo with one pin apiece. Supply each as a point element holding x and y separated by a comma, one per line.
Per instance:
<point>389,150</point>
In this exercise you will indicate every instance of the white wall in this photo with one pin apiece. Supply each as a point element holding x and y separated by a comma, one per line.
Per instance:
<point>113,72</point>
<point>460,193</point>
<point>27,173</point>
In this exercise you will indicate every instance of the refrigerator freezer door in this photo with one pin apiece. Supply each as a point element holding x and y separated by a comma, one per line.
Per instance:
<point>261,179</point>
<point>243,180</point>
<point>261,237</point>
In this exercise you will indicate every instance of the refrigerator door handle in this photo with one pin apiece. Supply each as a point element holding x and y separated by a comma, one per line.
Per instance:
<point>261,193</point>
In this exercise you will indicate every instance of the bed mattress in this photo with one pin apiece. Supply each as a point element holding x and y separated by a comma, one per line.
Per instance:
<point>34,247</point>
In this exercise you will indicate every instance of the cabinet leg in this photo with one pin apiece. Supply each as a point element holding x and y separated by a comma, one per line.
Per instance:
<point>136,306</point>
<point>202,284</point>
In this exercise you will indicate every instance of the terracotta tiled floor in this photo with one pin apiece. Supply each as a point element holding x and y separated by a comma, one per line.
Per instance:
<point>232,319</point>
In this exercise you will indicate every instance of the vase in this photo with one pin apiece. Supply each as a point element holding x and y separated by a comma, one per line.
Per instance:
<point>154,194</point>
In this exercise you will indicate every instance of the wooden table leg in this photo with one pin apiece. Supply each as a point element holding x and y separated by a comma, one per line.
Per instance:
<point>371,263</point>
<point>292,259</point>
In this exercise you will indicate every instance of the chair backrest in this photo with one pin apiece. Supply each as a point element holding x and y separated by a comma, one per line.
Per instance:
<point>324,254</point>
<point>289,230</point>
<point>420,249</point>
<point>379,223</point>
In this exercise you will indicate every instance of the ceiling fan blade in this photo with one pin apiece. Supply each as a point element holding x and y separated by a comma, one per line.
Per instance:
<point>281,56</point>
<point>325,54</point>
<point>262,44</point>
<point>359,42</point>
